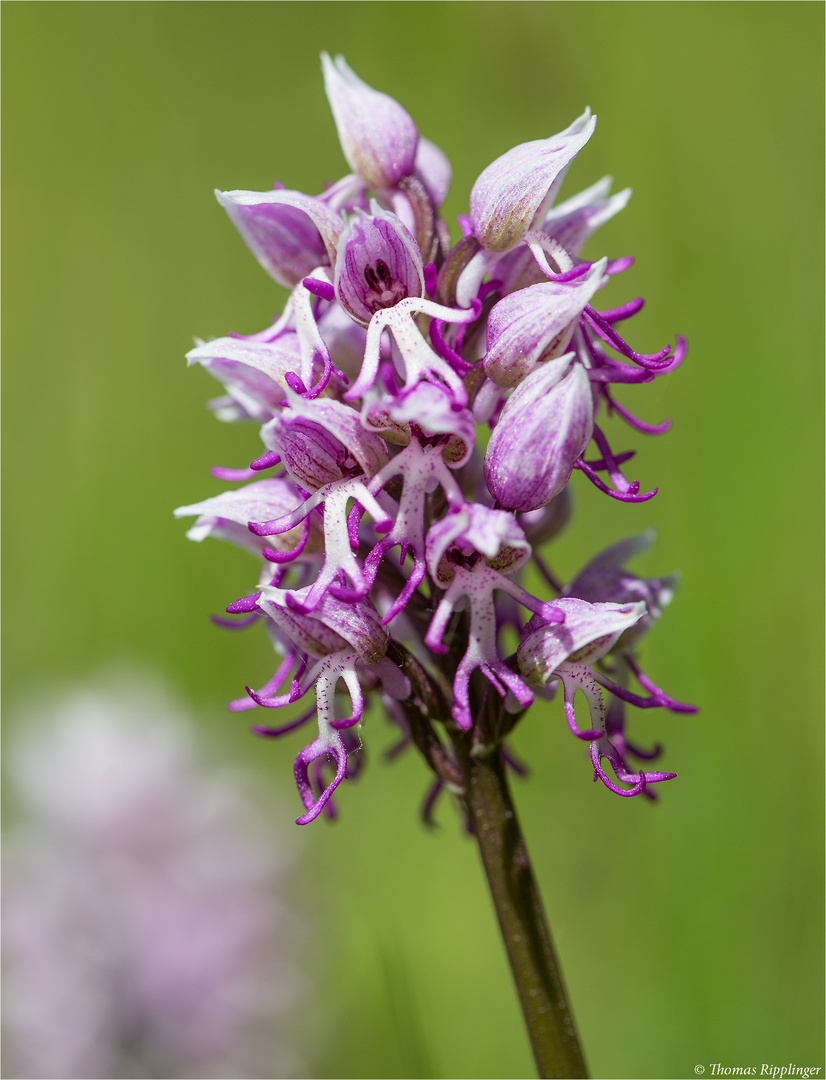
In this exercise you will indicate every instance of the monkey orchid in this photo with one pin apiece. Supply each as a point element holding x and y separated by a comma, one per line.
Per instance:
<point>423,406</point>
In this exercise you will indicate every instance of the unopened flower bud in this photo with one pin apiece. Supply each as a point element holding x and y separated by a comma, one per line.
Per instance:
<point>511,191</point>
<point>543,428</point>
<point>536,324</point>
<point>377,135</point>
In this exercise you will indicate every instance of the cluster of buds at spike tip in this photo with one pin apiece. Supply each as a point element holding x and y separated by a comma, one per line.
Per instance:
<point>392,539</point>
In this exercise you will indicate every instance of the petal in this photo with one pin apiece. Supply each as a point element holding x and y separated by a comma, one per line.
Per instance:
<point>225,516</point>
<point>433,169</point>
<point>312,456</point>
<point>253,502</point>
<point>572,222</point>
<point>306,632</point>
<point>440,536</point>
<point>569,224</point>
<point>344,424</point>
<point>252,371</point>
<point>356,623</point>
<point>328,744</point>
<point>495,534</point>
<point>288,232</point>
<point>378,265</point>
<point>588,633</point>
<point>434,410</point>
<point>606,579</point>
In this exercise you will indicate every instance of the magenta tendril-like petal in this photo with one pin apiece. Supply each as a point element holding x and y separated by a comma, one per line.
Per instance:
<point>235,624</point>
<point>275,732</point>
<point>619,266</point>
<point>600,465</point>
<point>269,687</point>
<point>654,701</point>
<point>653,361</point>
<point>322,289</point>
<point>271,555</point>
<point>640,425</point>
<point>644,755</point>
<point>461,366</point>
<point>603,749</point>
<point>625,311</point>
<point>620,496</point>
<point>320,748</point>
<point>612,465</point>
<point>221,472</point>
<point>266,461</point>
<point>647,684</point>
<point>244,605</point>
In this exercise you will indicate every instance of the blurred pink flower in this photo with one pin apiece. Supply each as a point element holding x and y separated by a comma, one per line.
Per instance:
<point>144,933</point>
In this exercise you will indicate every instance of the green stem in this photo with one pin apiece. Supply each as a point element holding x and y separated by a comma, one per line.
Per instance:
<point>521,917</point>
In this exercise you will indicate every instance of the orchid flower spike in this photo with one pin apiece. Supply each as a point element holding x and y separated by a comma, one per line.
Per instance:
<point>422,407</point>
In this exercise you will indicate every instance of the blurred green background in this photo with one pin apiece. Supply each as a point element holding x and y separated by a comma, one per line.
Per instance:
<point>690,931</point>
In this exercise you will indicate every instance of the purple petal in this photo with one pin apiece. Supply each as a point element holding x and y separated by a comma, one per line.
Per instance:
<point>225,516</point>
<point>320,440</point>
<point>288,232</point>
<point>575,220</point>
<point>433,409</point>
<point>379,264</point>
<point>588,633</point>
<point>333,746</point>
<point>478,530</point>
<point>333,624</point>
<point>434,171</point>
<point>254,372</point>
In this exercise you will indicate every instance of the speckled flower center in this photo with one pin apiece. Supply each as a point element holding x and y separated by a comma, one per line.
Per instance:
<point>384,290</point>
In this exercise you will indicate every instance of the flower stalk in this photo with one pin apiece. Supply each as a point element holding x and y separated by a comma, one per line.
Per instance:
<point>515,894</point>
